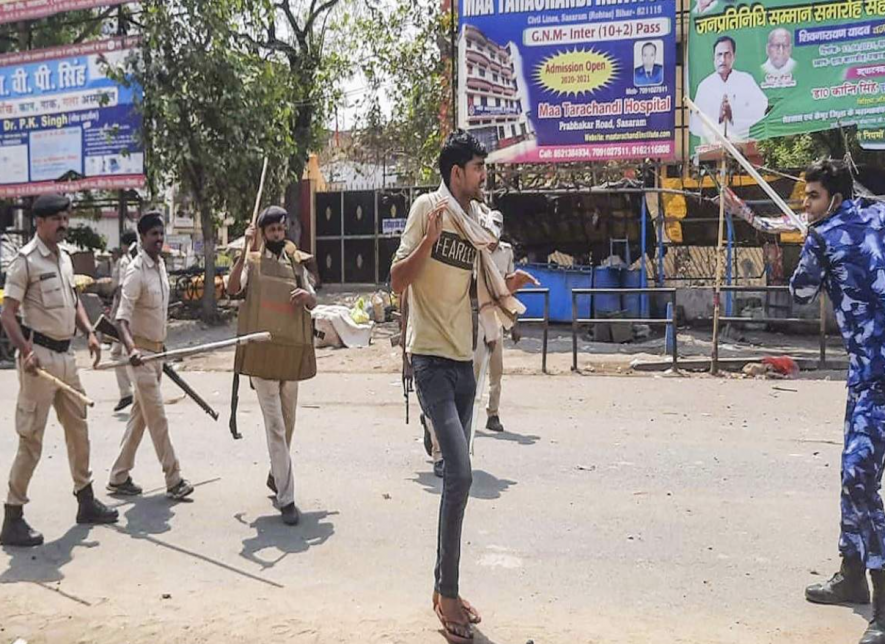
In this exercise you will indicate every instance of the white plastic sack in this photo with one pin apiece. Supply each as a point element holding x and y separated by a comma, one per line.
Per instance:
<point>337,328</point>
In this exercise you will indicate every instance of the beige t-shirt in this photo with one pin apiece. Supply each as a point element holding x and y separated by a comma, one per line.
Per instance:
<point>440,320</point>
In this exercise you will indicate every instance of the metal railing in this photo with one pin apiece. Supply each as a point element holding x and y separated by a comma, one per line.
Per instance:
<point>821,320</point>
<point>671,321</point>
<point>544,321</point>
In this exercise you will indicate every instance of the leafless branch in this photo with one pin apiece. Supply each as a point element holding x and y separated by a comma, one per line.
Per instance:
<point>290,16</point>
<point>328,5</point>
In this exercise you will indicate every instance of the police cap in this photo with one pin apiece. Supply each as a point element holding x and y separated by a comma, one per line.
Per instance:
<point>51,204</point>
<point>271,215</point>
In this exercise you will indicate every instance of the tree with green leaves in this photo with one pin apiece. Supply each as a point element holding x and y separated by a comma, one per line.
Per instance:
<point>403,48</point>
<point>85,237</point>
<point>300,35</point>
<point>797,151</point>
<point>69,28</point>
<point>212,111</point>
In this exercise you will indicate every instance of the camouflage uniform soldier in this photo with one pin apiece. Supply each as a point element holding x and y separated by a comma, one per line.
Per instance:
<point>845,253</point>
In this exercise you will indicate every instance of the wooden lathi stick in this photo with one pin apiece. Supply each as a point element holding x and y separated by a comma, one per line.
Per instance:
<point>257,206</point>
<point>65,387</point>
<point>260,192</point>
<point>263,336</point>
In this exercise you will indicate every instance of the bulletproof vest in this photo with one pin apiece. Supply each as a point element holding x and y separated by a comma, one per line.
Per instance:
<point>290,354</point>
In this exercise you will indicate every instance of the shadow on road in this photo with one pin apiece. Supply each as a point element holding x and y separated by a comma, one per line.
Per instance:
<point>511,437</point>
<point>283,540</point>
<point>151,512</point>
<point>478,636</point>
<point>865,611</point>
<point>148,515</point>
<point>44,563</point>
<point>485,486</point>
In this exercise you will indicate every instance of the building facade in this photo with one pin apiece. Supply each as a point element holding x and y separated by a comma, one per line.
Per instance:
<point>495,106</point>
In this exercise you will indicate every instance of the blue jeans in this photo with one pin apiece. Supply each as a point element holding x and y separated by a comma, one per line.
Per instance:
<point>445,390</point>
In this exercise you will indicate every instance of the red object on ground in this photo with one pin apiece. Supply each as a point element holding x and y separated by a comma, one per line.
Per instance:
<point>784,365</point>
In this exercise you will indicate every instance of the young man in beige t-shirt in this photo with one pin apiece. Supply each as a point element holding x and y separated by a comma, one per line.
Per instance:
<point>436,263</point>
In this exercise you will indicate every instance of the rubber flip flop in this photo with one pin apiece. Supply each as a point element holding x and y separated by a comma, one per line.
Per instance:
<point>448,633</point>
<point>473,615</point>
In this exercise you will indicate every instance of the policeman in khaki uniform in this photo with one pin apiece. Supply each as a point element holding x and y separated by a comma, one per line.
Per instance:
<point>141,319</point>
<point>502,257</point>
<point>127,250</point>
<point>40,284</point>
<point>279,297</point>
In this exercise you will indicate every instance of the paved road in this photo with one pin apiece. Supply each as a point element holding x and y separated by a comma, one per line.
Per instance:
<point>641,509</point>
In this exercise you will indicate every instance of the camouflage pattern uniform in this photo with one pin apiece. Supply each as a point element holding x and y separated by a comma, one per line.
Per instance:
<point>845,253</point>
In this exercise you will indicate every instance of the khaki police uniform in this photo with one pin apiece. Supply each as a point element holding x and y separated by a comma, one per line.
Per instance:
<point>503,260</point>
<point>278,399</point>
<point>43,282</point>
<point>123,382</point>
<point>144,302</point>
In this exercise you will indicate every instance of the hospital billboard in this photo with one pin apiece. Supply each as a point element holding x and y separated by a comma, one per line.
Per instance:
<point>568,80</point>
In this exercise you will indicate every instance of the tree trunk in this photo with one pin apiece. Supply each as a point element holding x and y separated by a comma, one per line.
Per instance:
<point>300,124</point>
<point>293,205</point>
<point>209,305</point>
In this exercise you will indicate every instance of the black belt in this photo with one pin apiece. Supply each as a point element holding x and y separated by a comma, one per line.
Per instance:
<point>59,346</point>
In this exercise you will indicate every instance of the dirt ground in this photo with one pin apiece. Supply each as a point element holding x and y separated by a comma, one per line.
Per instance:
<point>525,357</point>
<point>614,509</point>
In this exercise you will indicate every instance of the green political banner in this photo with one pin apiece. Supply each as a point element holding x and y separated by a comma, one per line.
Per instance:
<point>780,67</point>
<point>871,138</point>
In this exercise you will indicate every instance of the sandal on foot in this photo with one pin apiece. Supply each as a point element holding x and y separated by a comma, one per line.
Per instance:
<point>448,628</point>
<point>473,615</point>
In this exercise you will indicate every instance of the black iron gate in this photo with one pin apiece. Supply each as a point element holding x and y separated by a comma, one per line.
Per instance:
<point>358,231</point>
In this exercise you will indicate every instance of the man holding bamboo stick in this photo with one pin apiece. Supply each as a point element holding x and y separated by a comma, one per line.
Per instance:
<point>279,298</point>
<point>40,285</point>
<point>141,319</point>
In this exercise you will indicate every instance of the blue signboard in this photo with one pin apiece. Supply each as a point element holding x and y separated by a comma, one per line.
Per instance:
<point>568,80</point>
<point>63,120</point>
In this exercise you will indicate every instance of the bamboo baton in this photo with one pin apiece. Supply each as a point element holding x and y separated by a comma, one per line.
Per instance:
<point>260,192</point>
<point>263,336</point>
<point>65,387</point>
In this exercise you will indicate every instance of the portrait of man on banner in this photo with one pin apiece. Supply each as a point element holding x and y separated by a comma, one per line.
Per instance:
<point>649,71</point>
<point>731,98</point>
<point>779,66</point>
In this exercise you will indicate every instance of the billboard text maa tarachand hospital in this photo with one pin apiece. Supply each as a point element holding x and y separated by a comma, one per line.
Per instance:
<point>568,80</point>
